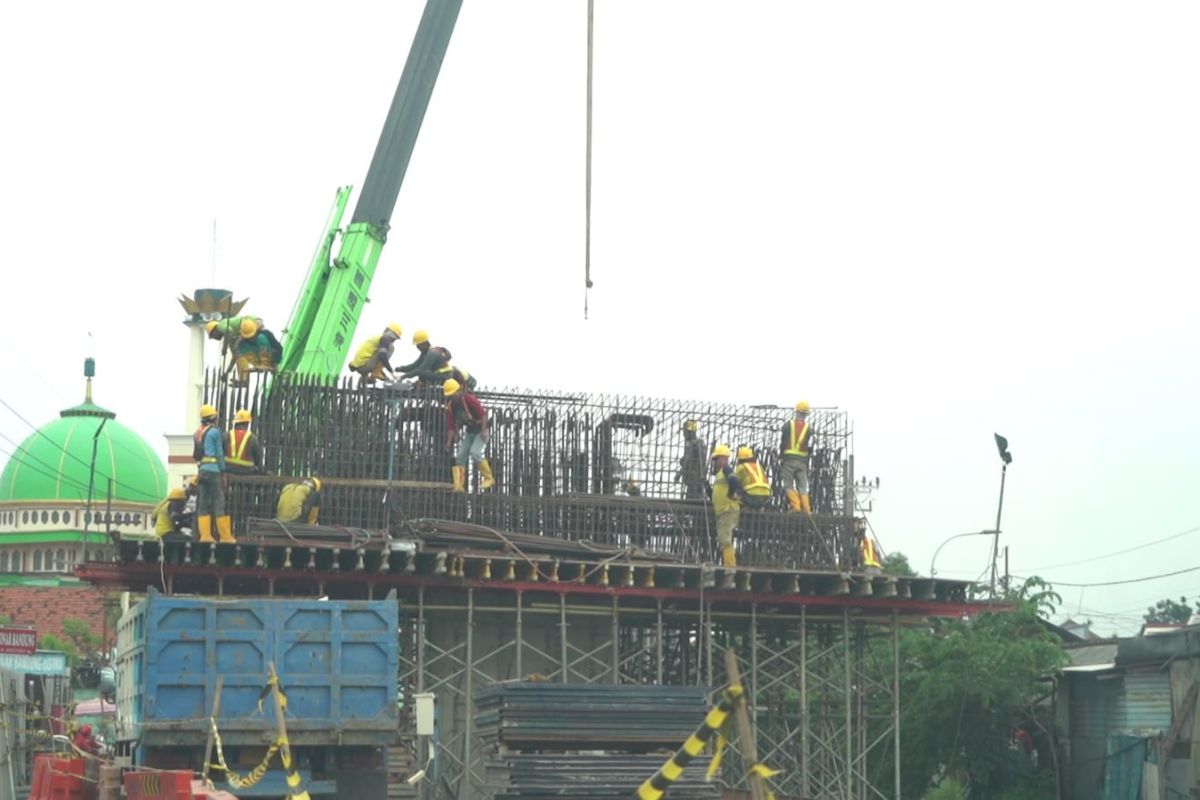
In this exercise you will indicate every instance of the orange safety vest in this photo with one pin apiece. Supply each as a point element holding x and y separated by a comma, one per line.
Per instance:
<point>755,481</point>
<point>198,446</point>
<point>870,557</point>
<point>238,441</point>
<point>798,439</point>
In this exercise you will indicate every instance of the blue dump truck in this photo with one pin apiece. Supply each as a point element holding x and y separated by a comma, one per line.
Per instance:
<point>337,664</point>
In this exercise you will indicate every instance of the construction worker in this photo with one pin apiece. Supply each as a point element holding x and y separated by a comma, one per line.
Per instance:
<point>372,359</point>
<point>756,489</point>
<point>691,465</point>
<point>244,455</point>
<point>170,516</point>
<point>432,365</point>
<point>209,451</point>
<point>463,410</point>
<point>300,501</point>
<point>726,500</point>
<point>867,549</point>
<point>252,344</point>
<point>793,451</point>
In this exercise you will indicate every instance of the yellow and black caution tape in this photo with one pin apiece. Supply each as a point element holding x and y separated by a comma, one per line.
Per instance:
<point>714,721</point>
<point>266,692</point>
<point>253,776</point>
<point>669,772</point>
<point>293,777</point>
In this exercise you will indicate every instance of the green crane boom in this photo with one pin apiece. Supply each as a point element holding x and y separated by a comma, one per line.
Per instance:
<point>321,329</point>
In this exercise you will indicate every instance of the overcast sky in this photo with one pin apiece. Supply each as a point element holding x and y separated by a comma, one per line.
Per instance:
<point>946,218</point>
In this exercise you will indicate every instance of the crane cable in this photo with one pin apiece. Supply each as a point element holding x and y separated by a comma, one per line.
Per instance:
<point>587,235</point>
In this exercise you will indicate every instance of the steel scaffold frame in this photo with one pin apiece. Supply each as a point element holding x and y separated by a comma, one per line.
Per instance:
<point>823,684</point>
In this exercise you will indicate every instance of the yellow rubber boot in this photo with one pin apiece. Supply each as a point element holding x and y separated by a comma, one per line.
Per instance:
<point>460,478</point>
<point>728,555</point>
<point>314,514</point>
<point>204,526</point>
<point>225,529</point>
<point>805,504</point>
<point>243,369</point>
<point>793,498</point>
<point>485,469</point>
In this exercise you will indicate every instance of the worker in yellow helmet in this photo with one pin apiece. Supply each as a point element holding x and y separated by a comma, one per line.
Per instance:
<point>300,501</point>
<point>756,489</point>
<point>793,458</point>
<point>432,366</point>
<point>244,455</point>
<point>463,410</point>
<point>372,360</point>
<point>727,502</point>
<point>171,516</point>
<point>868,551</point>
<point>692,473</point>
<point>253,346</point>
<point>209,451</point>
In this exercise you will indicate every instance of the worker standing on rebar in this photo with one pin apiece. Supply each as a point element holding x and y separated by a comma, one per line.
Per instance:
<point>372,360</point>
<point>252,344</point>
<point>300,501</point>
<point>726,500</point>
<point>244,455</point>
<point>209,451</point>
<point>756,489</point>
<point>463,410</point>
<point>794,452</point>
<point>691,465</point>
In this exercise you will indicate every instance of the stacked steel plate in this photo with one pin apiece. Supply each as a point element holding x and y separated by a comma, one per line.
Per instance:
<point>589,740</point>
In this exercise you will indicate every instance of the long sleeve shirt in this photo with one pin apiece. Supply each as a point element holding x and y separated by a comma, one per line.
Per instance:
<point>427,365</point>
<point>465,410</point>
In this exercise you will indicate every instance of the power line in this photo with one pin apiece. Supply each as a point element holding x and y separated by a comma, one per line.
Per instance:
<point>74,457</point>
<point>1118,552</point>
<point>26,457</point>
<point>51,476</point>
<point>1119,583</point>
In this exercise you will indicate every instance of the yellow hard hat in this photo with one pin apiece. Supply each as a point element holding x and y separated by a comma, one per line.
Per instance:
<point>176,494</point>
<point>248,329</point>
<point>420,337</point>
<point>721,450</point>
<point>316,482</point>
<point>451,387</point>
<point>802,407</point>
<point>744,453</point>
<point>690,425</point>
<point>207,411</point>
<point>242,415</point>
<point>395,328</point>
<point>210,327</point>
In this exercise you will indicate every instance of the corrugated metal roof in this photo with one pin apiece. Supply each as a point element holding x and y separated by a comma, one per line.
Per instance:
<point>1092,654</point>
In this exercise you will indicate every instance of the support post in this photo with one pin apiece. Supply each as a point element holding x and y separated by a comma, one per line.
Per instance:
<point>849,769</point>
<point>896,700</point>
<point>805,790</point>
<point>745,734</point>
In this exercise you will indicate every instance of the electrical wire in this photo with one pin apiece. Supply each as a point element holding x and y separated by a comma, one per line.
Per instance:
<point>1120,582</point>
<point>1119,552</point>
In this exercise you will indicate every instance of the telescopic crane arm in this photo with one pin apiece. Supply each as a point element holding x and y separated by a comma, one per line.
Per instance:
<point>320,332</point>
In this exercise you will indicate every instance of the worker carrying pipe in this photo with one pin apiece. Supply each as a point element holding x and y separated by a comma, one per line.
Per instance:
<point>464,411</point>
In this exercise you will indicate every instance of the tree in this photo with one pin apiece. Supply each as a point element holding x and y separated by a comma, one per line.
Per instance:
<point>78,641</point>
<point>1168,610</point>
<point>897,564</point>
<point>966,683</point>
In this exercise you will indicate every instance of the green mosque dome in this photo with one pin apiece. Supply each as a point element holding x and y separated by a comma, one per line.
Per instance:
<point>55,462</point>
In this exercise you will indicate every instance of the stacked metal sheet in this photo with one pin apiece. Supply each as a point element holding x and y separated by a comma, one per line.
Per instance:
<point>588,716</point>
<point>587,741</point>
<point>552,776</point>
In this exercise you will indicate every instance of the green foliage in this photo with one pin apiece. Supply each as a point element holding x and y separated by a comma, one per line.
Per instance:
<point>1039,787</point>
<point>948,789</point>
<point>897,564</point>
<point>5,619</point>
<point>78,641</point>
<point>965,683</point>
<point>1168,610</point>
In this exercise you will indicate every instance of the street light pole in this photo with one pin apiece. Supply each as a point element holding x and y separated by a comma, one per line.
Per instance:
<point>1006,458</point>
<point>932,561</point>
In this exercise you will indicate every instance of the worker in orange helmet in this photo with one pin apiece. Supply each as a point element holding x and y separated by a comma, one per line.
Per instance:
<point>463,410</point>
